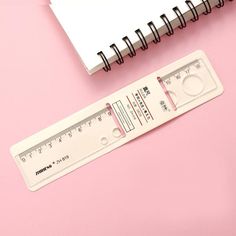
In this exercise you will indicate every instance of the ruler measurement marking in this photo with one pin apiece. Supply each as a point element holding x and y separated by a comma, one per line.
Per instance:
<point>177,73</point>
<point>58,137</point>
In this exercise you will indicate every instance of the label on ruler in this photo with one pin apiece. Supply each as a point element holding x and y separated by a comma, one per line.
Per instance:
<point>116,120</point>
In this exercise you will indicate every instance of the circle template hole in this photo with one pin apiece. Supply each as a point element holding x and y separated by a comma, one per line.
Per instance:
<point>116,132</point>
<point>104,141</point>
<point>193,85</point>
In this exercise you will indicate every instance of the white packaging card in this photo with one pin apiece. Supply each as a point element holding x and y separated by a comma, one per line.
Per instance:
<point>116,120</point>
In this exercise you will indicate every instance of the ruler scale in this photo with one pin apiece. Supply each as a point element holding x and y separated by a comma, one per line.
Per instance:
<point>84,138</point>
<point>116,120</point>
<point>75,130</point>
<point>189,83</point>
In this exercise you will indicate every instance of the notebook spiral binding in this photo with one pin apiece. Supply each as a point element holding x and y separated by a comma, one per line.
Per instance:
<point>156,35</point>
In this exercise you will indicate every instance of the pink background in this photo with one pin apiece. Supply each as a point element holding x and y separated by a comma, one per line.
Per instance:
<point>178,180</point>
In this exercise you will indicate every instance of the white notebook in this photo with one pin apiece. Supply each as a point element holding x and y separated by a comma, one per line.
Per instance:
<point>105,31</point>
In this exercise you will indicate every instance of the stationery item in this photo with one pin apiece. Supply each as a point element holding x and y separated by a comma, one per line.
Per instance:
<point>116,120</point>
<point>106,31</point>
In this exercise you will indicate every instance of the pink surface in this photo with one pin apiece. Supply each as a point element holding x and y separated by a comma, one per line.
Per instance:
<point>178,180</point>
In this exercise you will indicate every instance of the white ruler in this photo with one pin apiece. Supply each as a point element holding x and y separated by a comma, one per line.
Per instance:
<point>116,120</point>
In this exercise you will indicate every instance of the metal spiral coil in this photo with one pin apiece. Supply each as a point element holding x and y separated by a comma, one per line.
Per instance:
<point>107,65</point>
<point>155,32</point>
<point>156,35</point>
<point>142,39</point>
<point>221,3</point>
<point>193,9</point>
<point>120,59</point>
<point>168,25</point>
<point>130,46</point>
<point>207,5</point>
<point>181,18</point>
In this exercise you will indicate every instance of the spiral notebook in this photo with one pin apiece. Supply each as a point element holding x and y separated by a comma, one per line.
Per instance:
<point>105,31</point>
